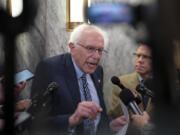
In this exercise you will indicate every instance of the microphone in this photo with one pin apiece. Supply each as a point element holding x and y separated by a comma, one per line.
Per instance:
<point>129,100</point>
<point>142,88</point>
<point>51,87</point>
<point>40,99</point>
<point>37,103</point>
<point>145,91</point>
<point>115,80</point>
<point>127,96</point>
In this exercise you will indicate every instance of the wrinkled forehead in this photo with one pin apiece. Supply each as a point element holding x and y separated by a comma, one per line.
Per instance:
<point>91,35</point>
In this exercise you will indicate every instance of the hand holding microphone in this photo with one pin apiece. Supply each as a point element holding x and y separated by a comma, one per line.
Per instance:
<point>36,104</point>
<point>127,96</point>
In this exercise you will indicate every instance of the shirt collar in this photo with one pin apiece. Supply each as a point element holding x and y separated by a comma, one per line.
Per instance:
<point>139,78</point>
<point>79,73</point>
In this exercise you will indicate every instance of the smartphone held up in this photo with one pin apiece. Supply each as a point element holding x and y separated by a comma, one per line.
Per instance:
<point>22,76</point>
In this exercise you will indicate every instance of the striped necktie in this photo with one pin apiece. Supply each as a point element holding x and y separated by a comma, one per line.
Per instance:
<point>89,125</point>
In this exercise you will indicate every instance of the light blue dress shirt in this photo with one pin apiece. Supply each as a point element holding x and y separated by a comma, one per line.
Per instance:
<point>91,87</point>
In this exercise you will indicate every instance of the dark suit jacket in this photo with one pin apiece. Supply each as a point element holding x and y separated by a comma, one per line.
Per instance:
<point>64,100</point>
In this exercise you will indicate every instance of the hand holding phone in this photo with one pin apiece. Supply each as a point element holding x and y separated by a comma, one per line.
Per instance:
<point>22,76</point>
<point>19,87</point>
<point>20,80</point>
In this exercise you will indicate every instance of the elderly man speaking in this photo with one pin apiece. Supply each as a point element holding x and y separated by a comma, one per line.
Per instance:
<point>77,106</point>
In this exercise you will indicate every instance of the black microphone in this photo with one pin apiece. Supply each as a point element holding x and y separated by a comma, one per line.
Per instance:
<point>142,88</point>
<point>51,87</point>
<point>115,80</point>
<point>36,104</point>
<point>129,100</point>
<point>42,98</point>
<point>127,96</point>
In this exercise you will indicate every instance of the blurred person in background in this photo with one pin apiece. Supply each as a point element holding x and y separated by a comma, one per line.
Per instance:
<point>143,68</point>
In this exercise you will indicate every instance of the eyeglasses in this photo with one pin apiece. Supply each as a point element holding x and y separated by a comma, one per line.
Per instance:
<point>143,56</point>
<point>91,49</point>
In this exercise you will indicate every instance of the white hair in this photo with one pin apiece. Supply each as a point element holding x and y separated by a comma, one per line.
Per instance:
<point>76,34</point>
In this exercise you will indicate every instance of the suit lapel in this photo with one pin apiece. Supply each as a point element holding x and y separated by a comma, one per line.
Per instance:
<point>73,86</point>
<point>98,85</point>
<point>98,82</point>
<point>72,82</point>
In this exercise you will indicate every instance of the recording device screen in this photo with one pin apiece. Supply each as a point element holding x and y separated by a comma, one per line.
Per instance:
<point>109,13</point>
<point>22,76</point>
